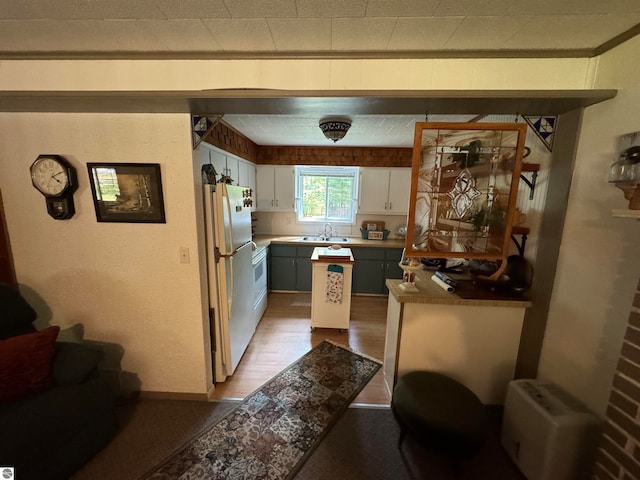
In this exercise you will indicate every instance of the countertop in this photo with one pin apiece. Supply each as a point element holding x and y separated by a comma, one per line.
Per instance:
<point>266,240</point>
<point>429,292</point>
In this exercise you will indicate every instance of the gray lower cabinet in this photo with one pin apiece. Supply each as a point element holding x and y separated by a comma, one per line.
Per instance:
<point>304,270</point>
<point>368,270</point>
<point>373,265</point>
<point>290,268</point>
<point>391,267</point>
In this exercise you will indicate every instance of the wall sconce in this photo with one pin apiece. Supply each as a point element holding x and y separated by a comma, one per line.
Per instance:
<point>625,174</point>
<point>335,129</point>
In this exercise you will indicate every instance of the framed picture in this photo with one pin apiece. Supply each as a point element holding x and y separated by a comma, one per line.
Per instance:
<point>127,192</point>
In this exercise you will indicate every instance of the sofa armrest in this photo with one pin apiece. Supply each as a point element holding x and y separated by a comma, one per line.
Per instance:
<point>74,362</point>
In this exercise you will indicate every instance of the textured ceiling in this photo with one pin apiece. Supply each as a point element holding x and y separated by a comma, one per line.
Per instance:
<point>313,27</point>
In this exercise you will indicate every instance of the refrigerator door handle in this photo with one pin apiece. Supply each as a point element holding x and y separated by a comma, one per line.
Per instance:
<point>225,197</point>
<point>230,291</point>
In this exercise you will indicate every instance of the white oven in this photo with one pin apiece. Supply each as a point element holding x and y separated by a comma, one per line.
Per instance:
<point>259,262</point>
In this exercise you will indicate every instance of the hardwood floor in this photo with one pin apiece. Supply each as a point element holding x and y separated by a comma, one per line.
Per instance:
<point>284,335</point>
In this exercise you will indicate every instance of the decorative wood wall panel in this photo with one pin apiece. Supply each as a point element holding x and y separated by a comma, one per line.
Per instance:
<point>339,156</point>
<point>230,140</point>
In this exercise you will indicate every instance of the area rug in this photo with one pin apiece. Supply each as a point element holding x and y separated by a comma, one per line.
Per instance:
<point>273,431</point>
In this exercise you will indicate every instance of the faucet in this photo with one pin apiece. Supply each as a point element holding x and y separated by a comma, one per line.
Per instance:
<point>330,229</point>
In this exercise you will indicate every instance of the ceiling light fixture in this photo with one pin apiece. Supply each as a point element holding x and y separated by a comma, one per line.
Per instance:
<point>335,129</point>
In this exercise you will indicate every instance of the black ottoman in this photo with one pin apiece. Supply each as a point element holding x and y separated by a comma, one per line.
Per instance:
<point>439,412</point>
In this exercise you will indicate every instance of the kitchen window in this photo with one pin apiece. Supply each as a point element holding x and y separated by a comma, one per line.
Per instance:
<point>326,194</point>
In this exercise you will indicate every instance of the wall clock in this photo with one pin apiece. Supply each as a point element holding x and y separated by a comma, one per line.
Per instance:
<point>56,179</point>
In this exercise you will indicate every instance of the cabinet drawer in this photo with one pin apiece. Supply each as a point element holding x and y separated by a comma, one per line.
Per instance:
<point>394,254</point>
<point>364,253</point>
<point>283,250</point>
<point>305,252</point>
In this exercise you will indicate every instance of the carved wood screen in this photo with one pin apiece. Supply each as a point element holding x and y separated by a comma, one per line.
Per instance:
<point>463,189</point>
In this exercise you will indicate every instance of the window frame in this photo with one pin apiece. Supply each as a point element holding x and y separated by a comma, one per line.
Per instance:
<point>326,171</point>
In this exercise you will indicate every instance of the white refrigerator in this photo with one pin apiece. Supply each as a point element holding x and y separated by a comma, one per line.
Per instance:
<point>230,273</point>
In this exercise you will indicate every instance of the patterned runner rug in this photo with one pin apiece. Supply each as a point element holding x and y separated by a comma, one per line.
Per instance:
<point>273,431</point>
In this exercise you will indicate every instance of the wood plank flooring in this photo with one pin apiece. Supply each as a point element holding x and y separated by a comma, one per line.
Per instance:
<point>284,335</point>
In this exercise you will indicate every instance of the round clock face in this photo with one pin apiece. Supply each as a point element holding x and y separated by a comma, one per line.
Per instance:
<point>49,176</point>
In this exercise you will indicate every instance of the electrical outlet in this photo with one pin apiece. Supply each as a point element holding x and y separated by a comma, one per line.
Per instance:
<point>288,221</point>
<point>184,255</point>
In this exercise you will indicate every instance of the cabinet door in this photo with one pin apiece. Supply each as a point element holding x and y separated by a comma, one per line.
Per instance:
<point>374,188</point>
<point>391,267</point>
<point>399,190</point>
<point>284,191</point>
<point>368,276</point>
<point>283,273</point>
<point>304,268</point>
<point>219,161</point>
<point>233,170</point>
<point>243,173</point>
<point>265,188</point>
<point>304,274</point>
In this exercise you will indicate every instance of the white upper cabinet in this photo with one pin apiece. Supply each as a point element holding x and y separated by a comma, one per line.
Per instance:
<point>275,188</point>
<point>241,171</point>
<point>399,190</point>
<point>246,174</point>
<point>385,191</point>
<point>219,161</point>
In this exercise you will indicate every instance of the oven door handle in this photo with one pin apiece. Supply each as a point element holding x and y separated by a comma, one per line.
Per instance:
<point>257,258</point>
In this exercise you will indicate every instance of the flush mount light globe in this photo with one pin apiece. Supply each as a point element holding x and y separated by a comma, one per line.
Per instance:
<point>335,129</point>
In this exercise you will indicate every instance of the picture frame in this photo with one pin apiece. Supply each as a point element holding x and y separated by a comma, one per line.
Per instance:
<point>127,192</point>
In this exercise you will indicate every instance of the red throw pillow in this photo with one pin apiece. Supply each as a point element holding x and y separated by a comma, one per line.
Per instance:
<point>26,363</point>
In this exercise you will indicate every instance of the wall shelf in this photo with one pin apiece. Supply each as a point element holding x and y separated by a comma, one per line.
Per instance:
<point>533,168</point>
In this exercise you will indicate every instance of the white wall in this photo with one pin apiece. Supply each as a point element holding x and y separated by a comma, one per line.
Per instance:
<point>123,282</point>
<point>599,261</point>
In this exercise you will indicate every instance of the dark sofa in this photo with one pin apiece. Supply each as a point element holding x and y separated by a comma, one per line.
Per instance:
<point>56,412</point>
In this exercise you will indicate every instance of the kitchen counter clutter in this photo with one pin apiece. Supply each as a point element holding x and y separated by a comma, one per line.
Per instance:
<point>473,340</point>
<point>430,292</point>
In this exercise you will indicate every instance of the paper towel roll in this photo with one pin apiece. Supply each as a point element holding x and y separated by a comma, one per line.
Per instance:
<point>442,284</point>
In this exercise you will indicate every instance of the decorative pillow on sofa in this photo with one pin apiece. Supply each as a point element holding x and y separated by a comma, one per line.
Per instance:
<point>26,363</point>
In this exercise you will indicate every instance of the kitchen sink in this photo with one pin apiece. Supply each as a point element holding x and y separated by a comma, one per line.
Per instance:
<point>318,239</point>
<point>338,240</point>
